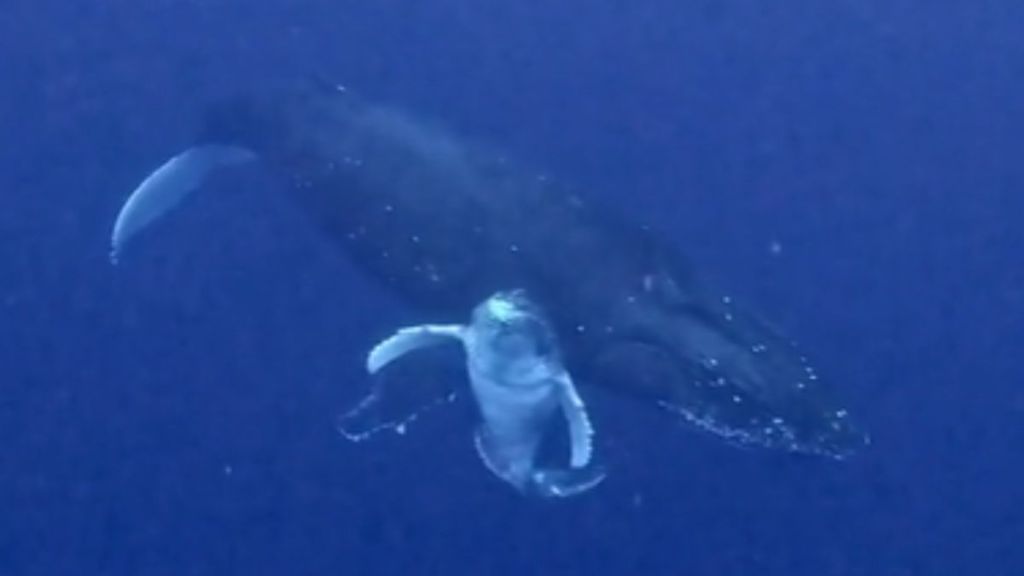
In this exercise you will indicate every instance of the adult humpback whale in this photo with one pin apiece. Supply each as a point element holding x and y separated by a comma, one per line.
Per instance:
<point>445,224</point>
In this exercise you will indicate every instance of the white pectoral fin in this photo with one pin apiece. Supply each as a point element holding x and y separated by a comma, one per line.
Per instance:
<point>167,186</point>
<point>409,339</point>
<point>581,432</point>
<point>582,475</point>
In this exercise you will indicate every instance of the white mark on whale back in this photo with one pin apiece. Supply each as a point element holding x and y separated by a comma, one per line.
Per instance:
<point>167,186</point>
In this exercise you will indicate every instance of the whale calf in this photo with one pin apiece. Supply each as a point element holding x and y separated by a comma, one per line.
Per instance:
<point>444,222</point>
<point>518,380</point>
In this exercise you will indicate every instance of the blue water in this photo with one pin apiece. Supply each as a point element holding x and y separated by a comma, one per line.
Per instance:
<point>852,168</point>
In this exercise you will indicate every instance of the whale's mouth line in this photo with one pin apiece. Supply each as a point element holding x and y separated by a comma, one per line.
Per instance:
<point>709,392</point>
<point>776,437</point>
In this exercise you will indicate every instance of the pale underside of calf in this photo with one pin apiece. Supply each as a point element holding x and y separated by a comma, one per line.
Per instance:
<point>517,401</point>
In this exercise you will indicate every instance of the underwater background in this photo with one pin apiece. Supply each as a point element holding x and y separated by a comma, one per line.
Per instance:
<point>852,169</point>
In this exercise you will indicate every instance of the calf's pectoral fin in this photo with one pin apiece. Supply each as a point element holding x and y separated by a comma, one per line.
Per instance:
<point>408,339</point>
<point>581,432</point>
<point>167,186</point>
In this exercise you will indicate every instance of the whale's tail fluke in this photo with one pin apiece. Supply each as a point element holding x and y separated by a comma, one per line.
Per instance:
<point>235,130</point>
<point>167,186</point>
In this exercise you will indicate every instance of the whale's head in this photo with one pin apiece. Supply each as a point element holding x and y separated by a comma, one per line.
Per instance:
<point>510,325</point>
<point>724,370</point>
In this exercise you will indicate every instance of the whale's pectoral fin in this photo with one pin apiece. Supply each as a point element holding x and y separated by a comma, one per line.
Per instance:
<point>392,405</point>
<point>167,186</point>
<point>581,432</point>
<point>566,482</point>
<point>404,394</point>
<point>408,339</point>
<point>387,407</point>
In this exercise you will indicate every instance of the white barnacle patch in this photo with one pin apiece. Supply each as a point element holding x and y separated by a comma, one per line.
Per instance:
<point>776,433</point>
<point>708,423</point>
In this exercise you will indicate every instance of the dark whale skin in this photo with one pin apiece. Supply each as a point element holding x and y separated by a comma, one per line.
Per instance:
<point>445,223</point>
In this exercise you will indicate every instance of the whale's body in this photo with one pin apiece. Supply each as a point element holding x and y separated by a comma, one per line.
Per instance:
<point>445,223</point>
